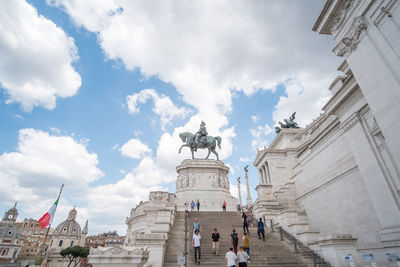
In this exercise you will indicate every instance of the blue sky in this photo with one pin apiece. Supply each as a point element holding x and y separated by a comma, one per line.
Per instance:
<point>94,93</point>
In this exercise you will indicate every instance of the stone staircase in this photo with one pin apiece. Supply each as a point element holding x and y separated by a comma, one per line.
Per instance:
<point>272,252</point>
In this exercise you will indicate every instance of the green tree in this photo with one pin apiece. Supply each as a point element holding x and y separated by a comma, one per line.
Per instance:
<point>75,254</point>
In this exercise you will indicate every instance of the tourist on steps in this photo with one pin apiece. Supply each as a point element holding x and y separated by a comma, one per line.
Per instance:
<point>196,245</point>
<point>234,240</point>
<point>246,245</point>
<point>215,242</point>
<point>243,258</point>
<point>245,223</point>
<point>224,206</point>
<point>192,205</point>
<point>187,208</point>
<point>196,226</point>
<point>230,258</point>
<point>198,205</point>
<point>260,229</point>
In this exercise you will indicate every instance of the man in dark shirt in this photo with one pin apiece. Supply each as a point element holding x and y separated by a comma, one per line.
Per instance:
<point>260,229</point>
<point>215,242</point>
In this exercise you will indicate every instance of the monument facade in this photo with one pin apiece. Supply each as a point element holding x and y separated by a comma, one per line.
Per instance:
<point>204,180</point>
<point>150,222</point>
<point>335,184</point>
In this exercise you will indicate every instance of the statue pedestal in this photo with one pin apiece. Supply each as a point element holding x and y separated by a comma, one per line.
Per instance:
<point>205,180</point>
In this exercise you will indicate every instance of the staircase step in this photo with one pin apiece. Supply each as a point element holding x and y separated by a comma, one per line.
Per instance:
<point>270,252</point>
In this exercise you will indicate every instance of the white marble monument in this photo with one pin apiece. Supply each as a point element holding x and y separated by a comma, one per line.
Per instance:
<point>204,180</point>
<point>335,184</point>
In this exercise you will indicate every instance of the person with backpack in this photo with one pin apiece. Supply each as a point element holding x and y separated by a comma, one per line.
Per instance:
<point>192,205</point>
<point>234,240</point>
<point>242,257</point>
<point>245,223</point>
<point>260,229</point>
<point>196,226</point>
<point>224,206</point>
<point>246,245</point>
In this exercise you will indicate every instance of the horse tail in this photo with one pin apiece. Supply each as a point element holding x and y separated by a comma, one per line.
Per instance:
<point>219,141</point>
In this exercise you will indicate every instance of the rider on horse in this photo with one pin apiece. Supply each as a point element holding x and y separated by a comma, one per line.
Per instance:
<point>200,133</point>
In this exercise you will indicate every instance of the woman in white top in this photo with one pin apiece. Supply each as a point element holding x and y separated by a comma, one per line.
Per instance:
<point>230,258</point>
<point>196,245</point>
<point>242,257</point>
<point>187,208</point>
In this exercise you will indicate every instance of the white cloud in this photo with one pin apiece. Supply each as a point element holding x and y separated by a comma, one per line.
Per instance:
<point>206,49</point>
<point>255,118</point>
<point>35,57</point>
<point>137,133</point>
<point>233,189</point>
<point>307,103</point>
<point>19,117</point>
<point>134,149</point>
<point>244,159</point>
<point>163,106</point>
<point>260,135</point>
<point>33,174</point>
<point>121,197</point>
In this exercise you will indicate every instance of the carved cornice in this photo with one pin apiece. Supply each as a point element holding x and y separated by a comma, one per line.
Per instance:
<point>350,122</point>
<point>350,42</point>
<point>119,251</point>
<point>341,15</point>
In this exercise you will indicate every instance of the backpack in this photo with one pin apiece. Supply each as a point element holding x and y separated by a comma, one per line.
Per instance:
<point>235,237</point>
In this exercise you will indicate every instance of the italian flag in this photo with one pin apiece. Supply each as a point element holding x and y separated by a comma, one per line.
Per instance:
<point>48,217</point>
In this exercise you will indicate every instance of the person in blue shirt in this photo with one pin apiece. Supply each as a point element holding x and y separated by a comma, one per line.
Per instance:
<point>260,229</point>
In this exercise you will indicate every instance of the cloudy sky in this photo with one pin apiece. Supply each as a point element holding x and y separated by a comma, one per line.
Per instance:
<point>94,93</point>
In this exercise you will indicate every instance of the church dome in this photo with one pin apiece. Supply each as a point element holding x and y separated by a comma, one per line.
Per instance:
<point>69,227</point>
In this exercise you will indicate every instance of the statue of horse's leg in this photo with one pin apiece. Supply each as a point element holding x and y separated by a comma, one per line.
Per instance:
<point>191,149</point>
<point>209,151</point>
<point>215,152</point>
<point>181,148</point>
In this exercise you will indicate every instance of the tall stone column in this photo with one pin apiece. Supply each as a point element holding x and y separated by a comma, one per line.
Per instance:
<point>239,194</point>
<point>249,202</point>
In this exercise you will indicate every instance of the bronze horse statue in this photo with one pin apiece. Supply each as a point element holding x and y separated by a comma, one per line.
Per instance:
<point>208,142</point>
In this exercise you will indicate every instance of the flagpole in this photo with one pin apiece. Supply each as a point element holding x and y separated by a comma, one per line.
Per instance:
<point>48,229</point>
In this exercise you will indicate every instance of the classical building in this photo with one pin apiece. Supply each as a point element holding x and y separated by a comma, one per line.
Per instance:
<point>104,240</point>
<point>10,241</point>
<point>33,237</point>
<point>335,184</point>
<point>67,234</point>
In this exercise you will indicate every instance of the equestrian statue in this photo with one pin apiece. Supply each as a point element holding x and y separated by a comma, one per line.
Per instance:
<point>200,139</point>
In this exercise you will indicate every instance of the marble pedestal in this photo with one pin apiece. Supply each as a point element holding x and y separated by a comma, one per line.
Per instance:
<point>205,180</point>
<point>119,256</point>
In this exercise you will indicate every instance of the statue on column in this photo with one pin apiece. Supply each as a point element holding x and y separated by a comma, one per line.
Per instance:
<point>249,202</point>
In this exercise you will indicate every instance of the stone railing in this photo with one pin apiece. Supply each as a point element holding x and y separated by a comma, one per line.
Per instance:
<point>302,249</point>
